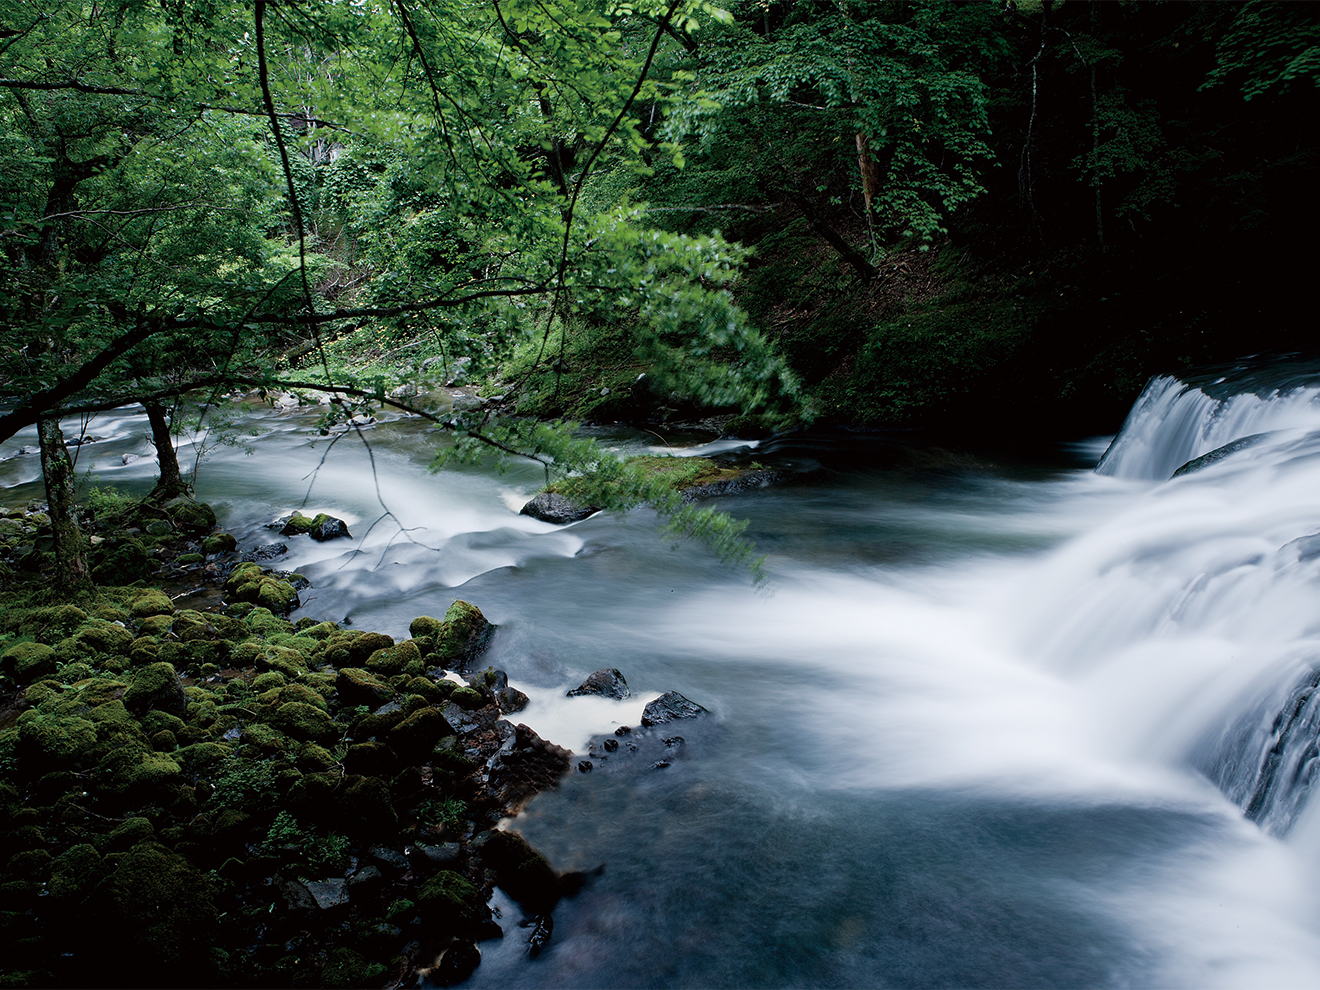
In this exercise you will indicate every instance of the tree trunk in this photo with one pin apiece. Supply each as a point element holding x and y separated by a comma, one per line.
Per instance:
<point>849,253</point>
<point>71,573</point>
<point>171,481</point>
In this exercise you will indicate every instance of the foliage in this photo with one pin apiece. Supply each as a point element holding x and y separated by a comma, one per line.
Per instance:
<point>322,853</point>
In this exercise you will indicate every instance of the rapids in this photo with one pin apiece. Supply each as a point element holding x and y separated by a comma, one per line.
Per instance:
<point>991,723</point>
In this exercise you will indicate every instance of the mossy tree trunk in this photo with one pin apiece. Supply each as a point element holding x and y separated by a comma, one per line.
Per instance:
<point>71,572</point>
<point>171,481</point>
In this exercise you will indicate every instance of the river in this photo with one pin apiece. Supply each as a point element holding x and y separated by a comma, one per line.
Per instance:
<point>993,721</point>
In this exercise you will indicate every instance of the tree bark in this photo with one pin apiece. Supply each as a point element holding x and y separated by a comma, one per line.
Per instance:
<point>849,253</point>
<point>71,573</point>
<point>171,480</point>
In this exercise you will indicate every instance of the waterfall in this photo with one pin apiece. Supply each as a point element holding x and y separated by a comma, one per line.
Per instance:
<point>1195,612</point>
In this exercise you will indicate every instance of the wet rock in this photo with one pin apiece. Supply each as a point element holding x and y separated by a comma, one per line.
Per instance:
<point>329,528</point>
<point>670,707</point>
<point>268,551</point>
<point>525,765</point>
<point>441,856</point>
<point>552,507</point>
<point>585,766</point>
<point>542,928</point>
<point>522,872</point>
<point>416,735</point>
<point>611,745</point>
<point>391,859</point>
<point>673,741</point>
<point>371,759</point>
<point>623,730</point>
<point>659,764</point>
<point>464,635</point>
<point>454,964</point>
<point>329,894</point>
<point>607,683</point>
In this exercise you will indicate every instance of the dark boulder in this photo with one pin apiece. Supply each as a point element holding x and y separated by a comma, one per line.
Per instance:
<point>608,683</point>
<point>522,872</point>
<point>328,528</point>
<point>552,507</point>
<point>525,765</point>
<point>670,707</point>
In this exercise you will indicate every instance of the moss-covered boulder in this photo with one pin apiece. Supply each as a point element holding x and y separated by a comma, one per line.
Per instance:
<point>250,582</point>
<point>393,659</point>
<point>121,562</point>
<point>155,918</point>
<point>149,602</point>
<point>416,735</point>
<point>465,634</point>
<point>48,741</point>
<point>75,873</point>
<point>189,514</point>
<point>156,686</point>
<point>27,662</point>
<point>219,543</point>
<point>99,636</point>
<point>306,722</point>
<point>451,903</point>
<point>345,968</point>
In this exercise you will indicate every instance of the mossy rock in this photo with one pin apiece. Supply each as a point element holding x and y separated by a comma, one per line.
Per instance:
<point>164,741</point>
<point>345,969</point>
<point>75,873</point>
<point>50,742</point>
<point>290,663</point>
<point>297,524</point>
<point>315,759</point>
<point>122,563</point>
<point>268,681</point>
<point>140,775</point>
<point>30,864</point>
<point>416,735</point>
<point>156,625</point>
<point>27,662</point>
<point>219,543</point>
<point>149,602</point>
<point>127,834</point>
<point>361,687</point>
<point>189,514</point>
<point>307,722</point>
<point>202,758</point>
<point>320,631</point>
<point>100,690</point>
<point>264,622</point>
<point>468,697</point>
<point>156,686</point>
<point>266,738</point>
<point>155,918</point>
<point>425,625</point>
<point>99,636</point>
<point>393,659</point>
<point>434,692</point>
<point>451,903</point>
<point>293,692</point>
<point>161,721</point>
<point>190,625</point>
<point>112,613</point>
<point>465,634</point>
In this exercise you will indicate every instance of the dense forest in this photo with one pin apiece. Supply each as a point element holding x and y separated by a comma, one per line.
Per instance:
<point>978,220</point>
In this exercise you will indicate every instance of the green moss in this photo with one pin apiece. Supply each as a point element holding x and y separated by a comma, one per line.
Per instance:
<point>290,663</point>
<point>451,903</point>
<point>157,910</point>
<point>316,630</point>
<point>186,559</point>
<point>425,625</point>
<point>345,968</point>
<point>433,691</point>
<point>150,602</point>
<point>53,741</point>
<point>268,681</point>
<point>188,514</point>
<point>263,622</point>
<point>219,543</point>
<point>202,758</point>
<point>464,635</point>
<point>467,697</point>
<point>99,636</point>
<point>364,808</point>
<point>298,524</point>
<point>156,686</point>
<point>28,661</point>
<point>75,873</point>
<point>313,758</point>
<point>359,687</point>
<point>266,738</point>
<point>305,721</point>
<point>416,735</point>
<point>525,874</point>
<point>30,864</point>
<point>393,659</point>
<point>127,834</point>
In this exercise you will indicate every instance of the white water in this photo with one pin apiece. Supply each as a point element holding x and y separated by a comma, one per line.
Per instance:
<point>988,727</point>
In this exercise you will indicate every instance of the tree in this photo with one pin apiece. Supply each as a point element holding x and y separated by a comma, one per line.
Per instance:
<point>181,194</point>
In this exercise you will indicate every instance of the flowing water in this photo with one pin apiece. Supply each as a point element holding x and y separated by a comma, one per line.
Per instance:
<point>990,724</point>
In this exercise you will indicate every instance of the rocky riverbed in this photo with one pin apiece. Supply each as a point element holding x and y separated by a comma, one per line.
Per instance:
<point>215,795</point>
